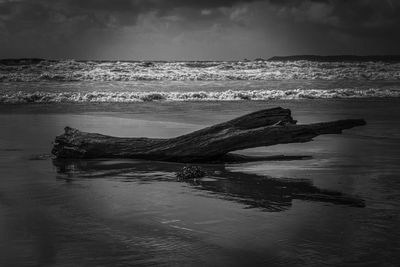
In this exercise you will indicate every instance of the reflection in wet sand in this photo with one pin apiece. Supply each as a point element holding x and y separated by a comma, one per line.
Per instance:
<point>254,191</point>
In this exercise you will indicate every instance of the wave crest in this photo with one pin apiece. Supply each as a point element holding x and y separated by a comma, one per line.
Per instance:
<point>228,95</point>
<point>71,70</point>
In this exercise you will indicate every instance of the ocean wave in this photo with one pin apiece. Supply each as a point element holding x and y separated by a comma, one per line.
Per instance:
<point>71,70</point>
<point>228,95</point>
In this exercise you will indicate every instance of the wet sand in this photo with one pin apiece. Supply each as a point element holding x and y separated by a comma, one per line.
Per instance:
<point>128,212</point>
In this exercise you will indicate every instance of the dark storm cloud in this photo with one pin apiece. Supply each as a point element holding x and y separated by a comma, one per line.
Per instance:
<point>72,28</point>
<point>75,17</point>
<point>347,13</point>
<point>372,26</point>
<point>336,13</point>
<point>42,10</point>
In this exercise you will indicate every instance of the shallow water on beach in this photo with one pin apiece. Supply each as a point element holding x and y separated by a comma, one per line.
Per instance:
<point>136,213</point>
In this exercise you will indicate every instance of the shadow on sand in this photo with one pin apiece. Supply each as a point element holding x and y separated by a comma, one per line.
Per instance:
<point>254,191</point>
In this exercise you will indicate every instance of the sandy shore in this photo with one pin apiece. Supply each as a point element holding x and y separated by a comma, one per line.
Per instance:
<point>128,212</point>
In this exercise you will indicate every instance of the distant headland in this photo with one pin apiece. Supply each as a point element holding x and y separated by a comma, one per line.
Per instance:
<point>338,58</point>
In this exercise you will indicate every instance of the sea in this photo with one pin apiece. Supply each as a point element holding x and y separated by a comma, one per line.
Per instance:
<point>130,212</point>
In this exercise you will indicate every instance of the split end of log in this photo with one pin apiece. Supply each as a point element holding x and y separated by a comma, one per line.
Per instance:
<point>336,127</point>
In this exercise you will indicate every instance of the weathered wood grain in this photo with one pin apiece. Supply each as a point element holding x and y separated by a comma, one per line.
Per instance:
<point>262,128</point>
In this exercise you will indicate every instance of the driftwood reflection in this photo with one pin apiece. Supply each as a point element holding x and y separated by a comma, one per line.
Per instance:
<point>255,191</point>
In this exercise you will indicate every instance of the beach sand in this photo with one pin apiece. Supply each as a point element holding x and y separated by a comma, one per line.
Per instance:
<point>135,213</point>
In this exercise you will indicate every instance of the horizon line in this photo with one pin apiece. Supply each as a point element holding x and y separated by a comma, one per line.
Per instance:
<point>332,57</point>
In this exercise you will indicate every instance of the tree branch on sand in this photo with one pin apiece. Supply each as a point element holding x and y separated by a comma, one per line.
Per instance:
<point>261,128</point>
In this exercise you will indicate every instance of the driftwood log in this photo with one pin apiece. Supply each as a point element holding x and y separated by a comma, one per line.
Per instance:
<point>262,128</point>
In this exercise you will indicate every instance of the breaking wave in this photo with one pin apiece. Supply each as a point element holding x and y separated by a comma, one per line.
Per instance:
<point>228,95</point>
<point>71,70</point>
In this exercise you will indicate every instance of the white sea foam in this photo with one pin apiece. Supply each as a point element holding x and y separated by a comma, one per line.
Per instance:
<point>70,70</point>
<point>228,95</point>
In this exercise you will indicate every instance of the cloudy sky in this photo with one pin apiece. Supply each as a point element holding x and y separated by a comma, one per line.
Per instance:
<point>196,29</point>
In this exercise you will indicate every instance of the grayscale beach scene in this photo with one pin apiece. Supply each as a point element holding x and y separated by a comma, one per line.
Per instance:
<point>199,133</point>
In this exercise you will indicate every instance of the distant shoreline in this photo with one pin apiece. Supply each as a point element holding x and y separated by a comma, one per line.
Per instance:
<point>338,58</point>
<point>330,58</point>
